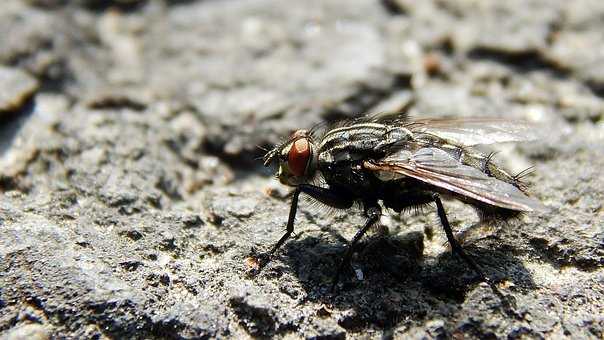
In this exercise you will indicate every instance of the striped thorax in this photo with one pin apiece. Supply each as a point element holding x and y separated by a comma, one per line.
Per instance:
<point>354,142</point>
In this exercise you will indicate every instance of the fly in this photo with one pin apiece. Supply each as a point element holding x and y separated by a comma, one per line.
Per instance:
<point>401,164</point>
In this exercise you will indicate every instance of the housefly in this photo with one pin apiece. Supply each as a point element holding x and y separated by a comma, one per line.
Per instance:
<point>390,161</point>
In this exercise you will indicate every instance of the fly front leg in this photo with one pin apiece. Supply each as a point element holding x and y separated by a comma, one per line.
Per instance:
<point>328,196</point>
<point>290,221</point>
<point>455,246</point>
<point>373,215</point>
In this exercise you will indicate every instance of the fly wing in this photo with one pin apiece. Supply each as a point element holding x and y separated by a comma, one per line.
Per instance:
<point>436,167</point>
<point>477,130</point>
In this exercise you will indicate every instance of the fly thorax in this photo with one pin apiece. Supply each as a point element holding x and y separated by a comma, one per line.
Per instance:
<point>395,137</point>
<point>361,141</point>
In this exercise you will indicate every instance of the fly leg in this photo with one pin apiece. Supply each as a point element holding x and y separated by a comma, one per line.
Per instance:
<point>373,215</point>
<point>290,222</point>
<point>455,246</point>
<point>326,196</point>
<point>507,301</point>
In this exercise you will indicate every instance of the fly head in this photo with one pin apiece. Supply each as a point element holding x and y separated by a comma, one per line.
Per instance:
<point>297,159</point>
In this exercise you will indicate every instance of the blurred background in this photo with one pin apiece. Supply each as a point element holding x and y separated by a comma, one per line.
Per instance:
<point>131,193</point>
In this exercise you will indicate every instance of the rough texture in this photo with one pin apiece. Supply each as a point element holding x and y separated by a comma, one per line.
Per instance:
<point>130,197</point>
<point>15,88</point>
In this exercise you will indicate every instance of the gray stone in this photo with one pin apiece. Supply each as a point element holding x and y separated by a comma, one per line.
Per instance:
<point>16,87</point>
<point>28,331</point>
<point>132,200</point>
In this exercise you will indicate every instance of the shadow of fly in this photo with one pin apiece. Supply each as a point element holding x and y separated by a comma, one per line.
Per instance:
<point>393,162</point>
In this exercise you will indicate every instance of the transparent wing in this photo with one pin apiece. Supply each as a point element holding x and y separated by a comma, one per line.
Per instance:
<point>477,130</point>
<point>436,167</point>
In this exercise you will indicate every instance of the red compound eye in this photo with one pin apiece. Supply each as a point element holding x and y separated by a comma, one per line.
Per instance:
<point>298,157</point>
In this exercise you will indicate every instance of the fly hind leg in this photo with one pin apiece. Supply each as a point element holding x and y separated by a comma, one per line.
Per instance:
<point>508,301</point>
<point>455,246</point>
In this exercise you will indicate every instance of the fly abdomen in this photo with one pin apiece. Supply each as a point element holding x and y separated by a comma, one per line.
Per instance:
<point>470,157</point>
<point>477,160</point>
<point>485,164</point>
<point>455,151</point>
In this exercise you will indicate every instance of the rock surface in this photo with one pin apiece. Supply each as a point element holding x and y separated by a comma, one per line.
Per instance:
<point>16,87</point>
<point>131,198</point>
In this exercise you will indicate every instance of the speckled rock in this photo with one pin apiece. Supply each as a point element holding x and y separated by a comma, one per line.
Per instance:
<point>131,199</point>
<point>16,87</point>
